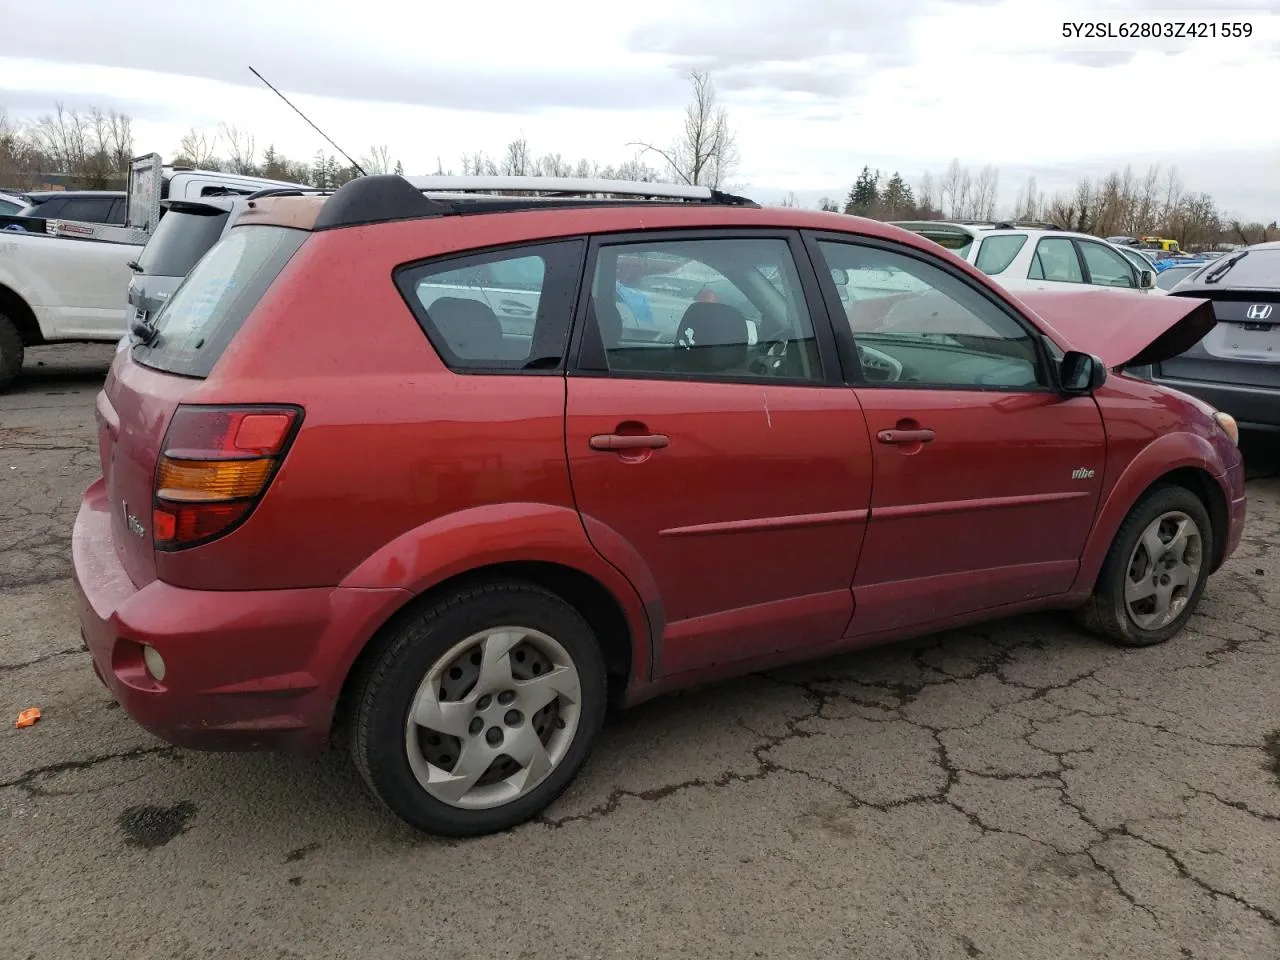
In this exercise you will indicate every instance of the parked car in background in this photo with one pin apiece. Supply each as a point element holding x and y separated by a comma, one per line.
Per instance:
<point>1140,263</point>
<point>1023,257</point>
<point>12,203</point>
<point>1175,273</point>
<point>85,206</point>
<point>71,285</point>
<point>343,495</point>
<point>1236,366</point>
<point>184,234</point>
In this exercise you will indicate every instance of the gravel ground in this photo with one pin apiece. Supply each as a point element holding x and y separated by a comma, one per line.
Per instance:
<point>1016,790</point>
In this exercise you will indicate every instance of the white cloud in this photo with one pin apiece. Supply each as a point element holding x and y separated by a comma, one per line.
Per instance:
<point>814,89</point>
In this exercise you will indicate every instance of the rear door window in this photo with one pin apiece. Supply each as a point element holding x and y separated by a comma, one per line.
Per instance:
<point>210,305</point>
<point>181,238</point>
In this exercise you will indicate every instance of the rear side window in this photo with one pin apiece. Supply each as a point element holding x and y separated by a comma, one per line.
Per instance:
<point>85,209</point>
<point>210,305</point>
<point>996,253</point>
<point>497,311</point>
<point>181,238</point>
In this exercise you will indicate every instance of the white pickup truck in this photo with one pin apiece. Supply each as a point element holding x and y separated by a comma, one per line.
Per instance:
<point>68,281</point>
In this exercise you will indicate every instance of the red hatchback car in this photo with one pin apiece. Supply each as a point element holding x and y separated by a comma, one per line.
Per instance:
<point>442,471</point>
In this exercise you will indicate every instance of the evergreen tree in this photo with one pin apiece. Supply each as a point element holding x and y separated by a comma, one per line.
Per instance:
<point>897,198</point>
<point>319,172</point>
<point>865,193</point>
<point>400,167</point>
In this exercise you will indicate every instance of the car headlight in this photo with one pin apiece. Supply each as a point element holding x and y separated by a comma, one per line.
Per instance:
<point>1228,424</point>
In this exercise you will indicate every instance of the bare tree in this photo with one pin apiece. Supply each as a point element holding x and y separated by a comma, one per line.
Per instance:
<point>378,160</point>
<point>242,150</point>
<point>985,190</point>
<point>925,194</point>
<point>553,165</point>
<point>518,162</point>
<point>790,200</point>
<point>63,137</point>
<point>706,151</point>
<point>197,149</point>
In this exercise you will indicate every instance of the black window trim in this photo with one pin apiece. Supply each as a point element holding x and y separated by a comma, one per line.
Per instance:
<point>587,353</point>
<point>1047,370</point>
<point>407,289</point>
<point>1088,274</point>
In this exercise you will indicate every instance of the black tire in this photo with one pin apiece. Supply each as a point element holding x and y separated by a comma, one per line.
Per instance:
<point>11,352</point>
<point>1105,613</point>
<point>385,689</point>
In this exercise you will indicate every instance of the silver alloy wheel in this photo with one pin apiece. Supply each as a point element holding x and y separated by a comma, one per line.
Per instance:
<point>1163,570</point>
<point>493,717</point>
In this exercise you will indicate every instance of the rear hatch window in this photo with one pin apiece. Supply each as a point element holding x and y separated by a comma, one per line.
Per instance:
<point>182,237</point>
<point>209,307</point>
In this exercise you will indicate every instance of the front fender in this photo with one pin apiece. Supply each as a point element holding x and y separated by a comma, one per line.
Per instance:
<point>468,540</point>
<point>1172,451</point>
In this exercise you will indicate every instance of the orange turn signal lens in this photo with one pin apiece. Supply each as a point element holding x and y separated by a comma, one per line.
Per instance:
<point>203,481</point>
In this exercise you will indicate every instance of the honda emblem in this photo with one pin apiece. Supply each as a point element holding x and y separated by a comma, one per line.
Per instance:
<point>1258,311</point>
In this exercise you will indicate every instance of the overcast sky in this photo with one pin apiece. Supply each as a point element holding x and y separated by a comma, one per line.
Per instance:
<point>814,88</point>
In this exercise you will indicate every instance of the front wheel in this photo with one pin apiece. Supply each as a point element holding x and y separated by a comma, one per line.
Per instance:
<point>1155,571</point>
<point>478,712</point>
<point>11,351</point>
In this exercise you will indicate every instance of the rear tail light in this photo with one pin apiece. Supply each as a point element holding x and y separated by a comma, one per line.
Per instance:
<point>216,464</point>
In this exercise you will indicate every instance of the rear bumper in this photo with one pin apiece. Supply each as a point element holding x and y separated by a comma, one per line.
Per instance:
<point>1253,407</point>
<point>243,669</point>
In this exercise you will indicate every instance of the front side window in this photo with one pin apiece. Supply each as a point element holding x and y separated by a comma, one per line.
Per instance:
<point>918,325</point>
<point>1055,259</point>
<point>1107,268</point>
<point>721,308</point>
<point>996,253</point>
<point>501,310</point>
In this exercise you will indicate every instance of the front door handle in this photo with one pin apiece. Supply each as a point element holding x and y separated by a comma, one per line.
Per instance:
<point>629,441</point>
<point>905,436</point>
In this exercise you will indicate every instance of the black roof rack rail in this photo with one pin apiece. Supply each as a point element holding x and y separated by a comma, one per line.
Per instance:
<point>387,197</point>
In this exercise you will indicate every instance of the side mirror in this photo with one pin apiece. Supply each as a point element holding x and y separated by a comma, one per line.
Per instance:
<point>839,276</point>
<point>1081,373</point>
<point>1146,279</point>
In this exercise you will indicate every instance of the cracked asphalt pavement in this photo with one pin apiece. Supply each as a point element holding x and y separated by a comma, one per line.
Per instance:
<point>1016,790</point>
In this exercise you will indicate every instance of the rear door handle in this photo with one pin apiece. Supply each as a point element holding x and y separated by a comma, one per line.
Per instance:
<point>905,436</point>
<point>627,441</point>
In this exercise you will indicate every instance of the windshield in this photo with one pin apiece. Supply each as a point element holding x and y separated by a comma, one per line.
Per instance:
<point>181,239</point>
<point>205,312</point>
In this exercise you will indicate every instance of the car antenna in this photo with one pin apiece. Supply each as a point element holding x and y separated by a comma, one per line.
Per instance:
<point>354,165</point>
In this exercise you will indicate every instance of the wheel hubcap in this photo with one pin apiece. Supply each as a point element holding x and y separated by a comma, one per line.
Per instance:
<point>493,717</point>
<point>1163,571</point>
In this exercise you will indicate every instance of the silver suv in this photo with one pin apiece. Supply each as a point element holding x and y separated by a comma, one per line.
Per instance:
<point>1036,256</point>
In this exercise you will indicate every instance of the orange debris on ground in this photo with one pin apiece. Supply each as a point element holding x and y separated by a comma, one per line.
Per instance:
<point>28,717</point>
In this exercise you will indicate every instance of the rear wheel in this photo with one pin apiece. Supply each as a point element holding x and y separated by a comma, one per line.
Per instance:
<point>11,352</point>
<point>1155,572</point>
<point>480,711</point>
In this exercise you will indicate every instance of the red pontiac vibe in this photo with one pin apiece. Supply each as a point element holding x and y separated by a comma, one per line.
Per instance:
<point>438,471</point>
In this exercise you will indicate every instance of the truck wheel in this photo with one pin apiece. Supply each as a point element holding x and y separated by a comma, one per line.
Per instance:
<point>1155,572</point>
<point>11,351</point>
